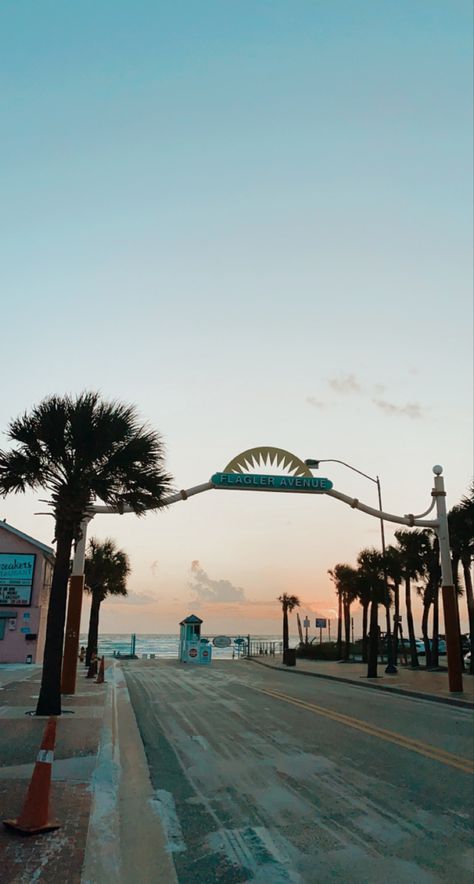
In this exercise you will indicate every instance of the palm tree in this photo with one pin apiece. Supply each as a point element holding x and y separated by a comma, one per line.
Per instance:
<point>393,564</point>
<point>412,547</point>
<point>344,578</point>
<point>80,449</point>
<point>371,573</point>
<point>106,570</point>
<point>461,532</point>
<point>364,595</point>
<point>288,602</point>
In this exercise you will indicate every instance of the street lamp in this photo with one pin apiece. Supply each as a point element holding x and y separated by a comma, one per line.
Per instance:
<point>391,668</point>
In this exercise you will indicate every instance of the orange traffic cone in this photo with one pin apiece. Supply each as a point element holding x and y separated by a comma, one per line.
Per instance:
<point>100,675</point>
<point>34,817</point>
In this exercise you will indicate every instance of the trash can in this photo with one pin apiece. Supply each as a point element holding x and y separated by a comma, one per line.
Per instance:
<point>289,657</point>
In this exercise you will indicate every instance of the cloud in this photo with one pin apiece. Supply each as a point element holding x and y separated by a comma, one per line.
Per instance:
<point>154,567</point>
<point>208,590</point>
<point>316,403</point>
<point>345,384</point>
<point>410,409</point>
<point>379,389</point>
<point>133,598</point>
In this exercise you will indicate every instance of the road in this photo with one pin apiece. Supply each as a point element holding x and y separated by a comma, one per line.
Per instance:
<point>265,776</point>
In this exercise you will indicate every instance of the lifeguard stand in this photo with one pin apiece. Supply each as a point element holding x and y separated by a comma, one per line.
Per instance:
<point>193,648</point>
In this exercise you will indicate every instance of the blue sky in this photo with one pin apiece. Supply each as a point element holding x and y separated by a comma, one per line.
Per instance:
<point>253,219</point>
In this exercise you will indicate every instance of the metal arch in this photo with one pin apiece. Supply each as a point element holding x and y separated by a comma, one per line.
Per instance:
<point>253,457</point>
<point>354,503</point>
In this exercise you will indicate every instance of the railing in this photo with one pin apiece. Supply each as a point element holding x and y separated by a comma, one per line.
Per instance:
<point>259,648</point>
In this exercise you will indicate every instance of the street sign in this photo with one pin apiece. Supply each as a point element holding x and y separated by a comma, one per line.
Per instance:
<point>262,482</point>
<point>321,622</point>
<point>306,623</point>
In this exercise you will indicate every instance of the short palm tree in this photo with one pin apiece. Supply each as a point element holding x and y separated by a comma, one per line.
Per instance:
<point>80,450</point>
<point>288,603</point>
<point>106,570</point>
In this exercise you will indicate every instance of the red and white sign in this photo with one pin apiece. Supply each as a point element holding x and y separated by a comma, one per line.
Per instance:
<point>193,652</point>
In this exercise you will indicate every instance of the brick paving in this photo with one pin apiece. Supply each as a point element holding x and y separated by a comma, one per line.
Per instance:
<point>54,856</point>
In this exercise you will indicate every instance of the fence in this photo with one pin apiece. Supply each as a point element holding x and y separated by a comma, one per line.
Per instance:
<point>257,648</point>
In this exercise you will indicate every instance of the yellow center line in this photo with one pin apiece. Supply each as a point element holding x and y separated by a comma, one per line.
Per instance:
<point>457,761</point>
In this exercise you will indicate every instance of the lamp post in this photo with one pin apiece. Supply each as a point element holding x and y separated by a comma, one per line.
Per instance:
<point>391,668</point>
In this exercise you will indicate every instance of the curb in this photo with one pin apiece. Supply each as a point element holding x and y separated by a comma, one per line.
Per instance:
<point>125,838</point>
<point>418,695</point>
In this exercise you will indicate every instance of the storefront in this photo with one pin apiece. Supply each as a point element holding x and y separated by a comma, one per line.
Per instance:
<point>26,567</point>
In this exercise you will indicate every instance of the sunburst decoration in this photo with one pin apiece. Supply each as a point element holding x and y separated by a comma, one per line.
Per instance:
<point>266,456</point>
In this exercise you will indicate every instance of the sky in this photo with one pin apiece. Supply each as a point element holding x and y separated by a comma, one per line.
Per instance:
<point>253,220</point>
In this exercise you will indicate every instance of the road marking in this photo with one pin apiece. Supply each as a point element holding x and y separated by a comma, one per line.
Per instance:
<point>457,761</point>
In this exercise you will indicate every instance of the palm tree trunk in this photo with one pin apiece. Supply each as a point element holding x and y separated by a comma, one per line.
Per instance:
<point>285,628</point>
<point>424,626</point>
<point>435,642</point>
<point>92,638</point>
<point>373,641</point>
<point>347,630</point>
<point>466,566</point>
<point>365,611</point>
<point>49,700</point>
<point>411,630</point>
<point>339,626</point>
<point>396,602</point>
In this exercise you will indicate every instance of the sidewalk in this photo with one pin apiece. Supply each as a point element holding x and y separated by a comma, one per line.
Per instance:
<point>54,856</point>
<point>416,683</point>
<point>101,791</point>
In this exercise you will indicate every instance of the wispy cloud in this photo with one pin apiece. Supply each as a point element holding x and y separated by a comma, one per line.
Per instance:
<point>315,403</point>
<point>133,598</point>
<point>207,590</point>
<point>154,567</point>
<point>409,409</point>
<point>347,384</point>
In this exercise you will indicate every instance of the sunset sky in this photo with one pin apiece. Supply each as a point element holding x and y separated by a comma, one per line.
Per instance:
<point>254,221</point>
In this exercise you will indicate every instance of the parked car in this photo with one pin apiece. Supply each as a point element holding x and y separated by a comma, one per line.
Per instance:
<point>441,646</point>
<point>405,645</point>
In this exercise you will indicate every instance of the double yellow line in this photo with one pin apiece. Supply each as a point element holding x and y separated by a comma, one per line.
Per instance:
<point>457,761</point>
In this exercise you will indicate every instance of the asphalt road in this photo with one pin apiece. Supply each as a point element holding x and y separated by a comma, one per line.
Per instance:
<point>265,776</point>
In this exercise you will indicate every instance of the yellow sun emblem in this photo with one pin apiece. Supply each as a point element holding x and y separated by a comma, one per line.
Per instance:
<point>265,456</point>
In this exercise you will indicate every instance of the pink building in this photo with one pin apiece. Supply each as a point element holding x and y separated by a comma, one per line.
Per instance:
<point>26,567</point>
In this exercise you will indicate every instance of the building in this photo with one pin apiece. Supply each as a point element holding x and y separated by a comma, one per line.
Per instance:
<point>26,568</point>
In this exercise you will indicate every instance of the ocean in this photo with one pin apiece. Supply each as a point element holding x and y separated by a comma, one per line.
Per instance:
<point>166,645</point>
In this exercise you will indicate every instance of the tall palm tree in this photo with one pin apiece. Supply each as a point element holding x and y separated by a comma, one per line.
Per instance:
<point>461,533</point>
<point>288,603</point>
<point>80,449</point>
<point>393,564</point>
<point>413,547</point>
<point>344,578</point>
<point>106,570</point>
<point>429,593</point>
<point>371,570</point>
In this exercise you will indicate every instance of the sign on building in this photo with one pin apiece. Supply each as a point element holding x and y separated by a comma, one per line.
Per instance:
<point>16,578</point>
